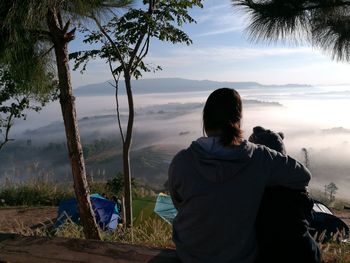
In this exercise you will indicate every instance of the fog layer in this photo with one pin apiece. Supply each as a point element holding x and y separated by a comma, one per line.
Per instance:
<point>315,118</point>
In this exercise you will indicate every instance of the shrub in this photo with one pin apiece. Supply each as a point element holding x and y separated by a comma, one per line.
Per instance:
<point>34,193</point>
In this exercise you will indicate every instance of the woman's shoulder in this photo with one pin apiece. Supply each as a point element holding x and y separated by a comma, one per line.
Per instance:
<point>180,155</point>
<point>259,151</point>
<point>255,149</point>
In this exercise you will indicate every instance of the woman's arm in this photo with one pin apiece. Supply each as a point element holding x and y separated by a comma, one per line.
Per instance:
<point>286,171</point>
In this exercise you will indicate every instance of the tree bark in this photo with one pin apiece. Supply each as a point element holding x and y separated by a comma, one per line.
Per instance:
<point>60,40</point>
<point>126,153</point>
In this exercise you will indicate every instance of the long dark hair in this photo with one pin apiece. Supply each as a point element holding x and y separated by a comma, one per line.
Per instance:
<point>222,115</point>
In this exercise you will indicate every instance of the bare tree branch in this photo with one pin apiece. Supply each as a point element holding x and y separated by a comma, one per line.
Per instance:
<point>116,86</point>
<point>7,132</point>
<point>110,40</point>
<point>143,53</point>
<point>139,42</point>
<point>134,53</point>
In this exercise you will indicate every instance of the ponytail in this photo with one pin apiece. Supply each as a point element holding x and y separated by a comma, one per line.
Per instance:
<point>231,134</point>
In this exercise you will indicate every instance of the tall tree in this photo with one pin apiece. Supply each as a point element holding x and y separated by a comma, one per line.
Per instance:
<point>324,24</point>
<point>125,43</point>
<point>50,24</point>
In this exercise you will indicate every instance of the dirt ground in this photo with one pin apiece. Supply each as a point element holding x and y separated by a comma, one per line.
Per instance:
<point>343,215</point>
<point>12,219</point>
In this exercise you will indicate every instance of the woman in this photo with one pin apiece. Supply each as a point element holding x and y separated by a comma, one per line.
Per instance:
<point>217,184</point>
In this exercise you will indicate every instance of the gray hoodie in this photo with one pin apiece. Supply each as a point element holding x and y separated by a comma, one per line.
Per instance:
<point>217,191</point>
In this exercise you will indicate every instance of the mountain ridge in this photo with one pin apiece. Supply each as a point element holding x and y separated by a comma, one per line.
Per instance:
<point>170,85</point>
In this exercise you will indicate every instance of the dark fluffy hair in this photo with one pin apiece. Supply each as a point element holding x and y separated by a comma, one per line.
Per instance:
<point>222,115</point>
<point>268,138</point>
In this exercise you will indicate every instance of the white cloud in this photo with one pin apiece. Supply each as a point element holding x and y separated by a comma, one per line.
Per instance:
<point>221,19</point>
<point>211,11</point>
<point>97,71</point>
<point>191,56</point>
<point>323,72</point>
<point>264,65</point>
<point>220,31</point>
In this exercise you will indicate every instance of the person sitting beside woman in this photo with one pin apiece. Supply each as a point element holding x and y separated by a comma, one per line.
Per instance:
<point>218,182</point>
<point>284,215</point>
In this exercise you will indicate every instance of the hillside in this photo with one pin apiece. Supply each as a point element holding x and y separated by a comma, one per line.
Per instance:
<point>170,85</point>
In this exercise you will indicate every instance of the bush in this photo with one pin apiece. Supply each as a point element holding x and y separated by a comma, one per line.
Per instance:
<point>34,193</point>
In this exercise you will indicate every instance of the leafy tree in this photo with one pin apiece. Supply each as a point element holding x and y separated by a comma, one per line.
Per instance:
<point>125,43</point>
<point>116,184</point>
<point>324,24</point>
<point>15,102</point>
<point>30,31</point>
<point>331,189</point>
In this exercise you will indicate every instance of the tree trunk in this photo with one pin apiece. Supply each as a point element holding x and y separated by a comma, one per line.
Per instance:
<point>126,153</point>
<point>60,40</point>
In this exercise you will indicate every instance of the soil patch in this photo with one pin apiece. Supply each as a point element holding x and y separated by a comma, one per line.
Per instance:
<point>13,219</point>
<point>343,215</point>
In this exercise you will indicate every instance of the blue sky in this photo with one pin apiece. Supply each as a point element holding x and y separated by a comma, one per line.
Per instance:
<point>222,51</point>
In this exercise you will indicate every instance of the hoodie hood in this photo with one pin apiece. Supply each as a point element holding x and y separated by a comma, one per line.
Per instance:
<point>218,163</point>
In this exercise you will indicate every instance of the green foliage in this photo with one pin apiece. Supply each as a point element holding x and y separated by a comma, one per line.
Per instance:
<point>26,81</point>
<point>15,101</point>
<point>34,193</point>
<point>143,208</point>
<point>49,22</point>
<point>32,13</point>
<point>129,35</point>
<point>125,42</point>
<point>23,45</point>
<point>43,192</point>
<point>325,24</point>
<point>116,184</point>
<point>26,42</point>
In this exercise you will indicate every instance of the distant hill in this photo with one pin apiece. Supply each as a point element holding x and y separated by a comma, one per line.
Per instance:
<point>96,126</point>
<point>336,130</point>
<point>169,85</point>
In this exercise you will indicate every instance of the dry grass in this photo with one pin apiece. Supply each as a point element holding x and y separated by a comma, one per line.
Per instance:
<point>336,253</point>
<point>153,232</point>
